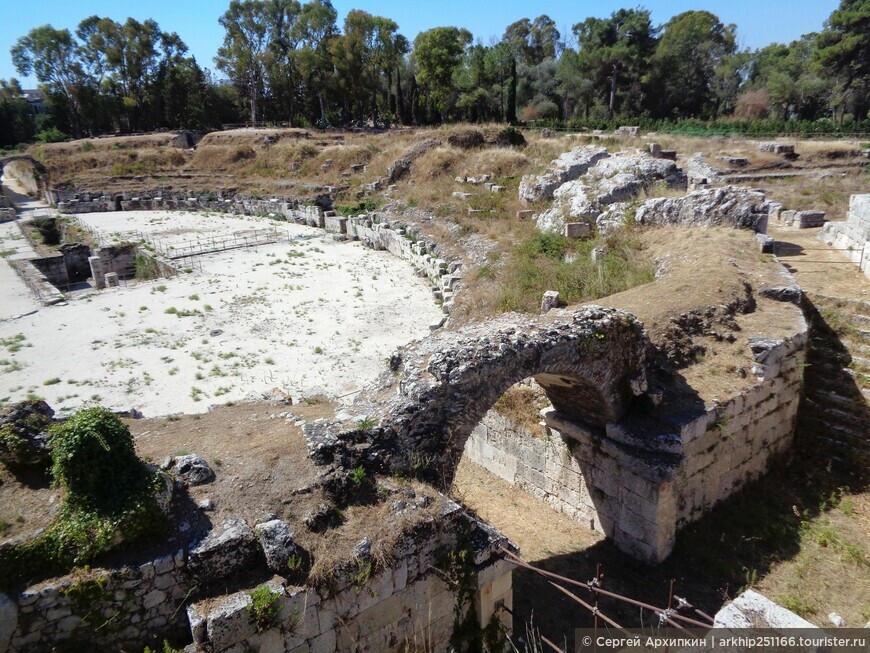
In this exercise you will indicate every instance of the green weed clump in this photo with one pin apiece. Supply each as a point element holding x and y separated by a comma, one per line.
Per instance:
<point>552,262</point>
<point>110,498</point>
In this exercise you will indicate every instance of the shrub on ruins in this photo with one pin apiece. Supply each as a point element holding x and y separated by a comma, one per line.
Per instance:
<point>110,497</point>
<point>510,137</point>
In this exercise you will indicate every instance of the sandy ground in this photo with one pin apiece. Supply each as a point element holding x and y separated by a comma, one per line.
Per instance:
<point>306,314</point>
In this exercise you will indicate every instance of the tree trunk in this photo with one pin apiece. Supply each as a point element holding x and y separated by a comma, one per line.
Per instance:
<point>512,95</point>
<point>613,92</point>
<point>400,101</point>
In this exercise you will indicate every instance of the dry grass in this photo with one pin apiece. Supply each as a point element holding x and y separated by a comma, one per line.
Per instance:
<point>378,522</point>
<point>522,404</point>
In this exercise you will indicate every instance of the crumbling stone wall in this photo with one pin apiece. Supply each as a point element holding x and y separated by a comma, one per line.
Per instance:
<point>853,234</point>
<point>125,608</point>
<point>591,363</point>
<point>115,608</point>
<point>640,498</point>
<point>407,604</point>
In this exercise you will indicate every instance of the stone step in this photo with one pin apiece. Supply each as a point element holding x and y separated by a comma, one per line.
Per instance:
<point>844,385</point>
<point>856,336</point>
<point>860,321</point>
<point>844,403</point>
<point>857,437</point>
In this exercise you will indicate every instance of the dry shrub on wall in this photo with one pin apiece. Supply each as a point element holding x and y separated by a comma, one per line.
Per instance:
<point>497,161</point>
<point>437,162</point>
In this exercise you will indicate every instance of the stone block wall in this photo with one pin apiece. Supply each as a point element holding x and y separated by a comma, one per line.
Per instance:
<point>600,480</point>
<point>53,268</point>
<point>114,608</point>
<point>406,606</point>
<point>125,608</point>
<point>118,259</point>
<point>853,234</point>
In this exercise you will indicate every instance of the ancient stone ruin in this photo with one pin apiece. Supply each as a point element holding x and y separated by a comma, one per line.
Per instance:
<point>853,234</point>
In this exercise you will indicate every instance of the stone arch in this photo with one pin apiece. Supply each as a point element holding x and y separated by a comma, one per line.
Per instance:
<point>591,363</point>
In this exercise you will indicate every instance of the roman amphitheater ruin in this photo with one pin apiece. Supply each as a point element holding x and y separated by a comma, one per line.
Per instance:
<point>308,380</point>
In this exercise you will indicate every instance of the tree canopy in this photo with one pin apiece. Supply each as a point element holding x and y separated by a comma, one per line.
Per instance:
<point>289,61</point>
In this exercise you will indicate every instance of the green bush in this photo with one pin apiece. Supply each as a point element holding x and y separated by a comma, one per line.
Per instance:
<point>363,206</point>
<point>52,135</point>
<point>110,499</point>
<point>146,267</point>
<point>94,459</point>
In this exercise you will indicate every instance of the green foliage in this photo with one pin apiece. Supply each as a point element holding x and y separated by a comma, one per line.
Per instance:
<point>52,135</point>
<point>94,459</point>
<point>265,606</point>
<point>356,208</point>
<point>48,229</point>
<point>146,267</point>
<point>358,475</point>
<point>17,446</point>
<point>542,263</point>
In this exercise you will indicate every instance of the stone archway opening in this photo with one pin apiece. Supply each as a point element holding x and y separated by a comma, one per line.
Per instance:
<point>592,366</point>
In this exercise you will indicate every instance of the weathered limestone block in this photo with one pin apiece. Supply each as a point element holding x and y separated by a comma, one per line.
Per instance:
<point>734,206</point>
<point>852,236</point>
<point>809,219</point>
<point>753,610</point>
<point>225,550</point>
<point>615,179</point>
<point>191,468</point>
<point>277,543</point>
<point>626,130</point>
<point>776,148</point>
<point>566,167</point>
<point>577,230</point>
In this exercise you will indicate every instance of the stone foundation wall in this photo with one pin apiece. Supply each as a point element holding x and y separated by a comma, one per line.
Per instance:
<point>375,230</point>
<point>113,608</point>
<point>408,605</point>
<point>128,607</point>
<point>640,501</point>
<point>853,234</point>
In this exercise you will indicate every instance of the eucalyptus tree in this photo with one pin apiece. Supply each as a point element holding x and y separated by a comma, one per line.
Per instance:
<point>53,57</point>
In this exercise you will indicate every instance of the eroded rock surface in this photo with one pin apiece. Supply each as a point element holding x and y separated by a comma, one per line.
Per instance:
<point>615,179</point>
<point>564,168</point>
<point>732,206</point>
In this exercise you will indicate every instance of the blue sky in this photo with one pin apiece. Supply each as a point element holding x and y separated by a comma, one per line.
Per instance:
<point>759,22</point>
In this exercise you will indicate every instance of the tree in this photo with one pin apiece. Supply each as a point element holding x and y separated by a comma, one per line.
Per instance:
<point>53,57</point>
<point>242,54</point>
<point>616,50</point>
<point>437,54</point>
<point>316,28</point>
<point>843,49</point>
<point>789,76</point>
<point>576,89</point>
<point>692,46</point>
